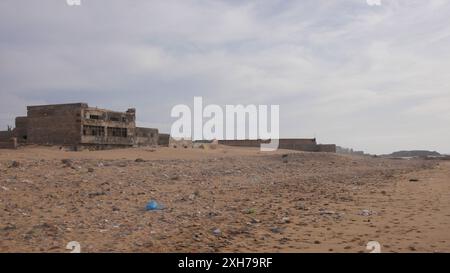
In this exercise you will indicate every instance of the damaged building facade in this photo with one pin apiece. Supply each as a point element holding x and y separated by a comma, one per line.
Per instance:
<point>78,125</point>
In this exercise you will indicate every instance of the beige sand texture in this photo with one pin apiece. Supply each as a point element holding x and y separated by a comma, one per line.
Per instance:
<point>220,200</point>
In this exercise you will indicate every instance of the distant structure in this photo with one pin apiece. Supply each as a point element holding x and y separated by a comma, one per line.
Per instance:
<point>299,144</point>
<point>349,151</point>
<point>76,125</point>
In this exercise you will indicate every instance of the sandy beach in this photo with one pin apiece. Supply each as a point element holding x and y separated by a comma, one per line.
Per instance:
<point>220,200</point>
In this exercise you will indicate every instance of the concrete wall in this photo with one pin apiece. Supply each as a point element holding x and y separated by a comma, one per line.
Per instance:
<point>5,135</point>
<point>20,132</point>
<point>163,140</point>
<point>58,124</point>
<point>299,144</point>
<point>180,143</point>
<point>8,143</point>
<point>242,142</point>
<point>146,136</point>
<point>328,148</point>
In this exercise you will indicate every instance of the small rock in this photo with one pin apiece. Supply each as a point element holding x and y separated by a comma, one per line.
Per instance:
<point>67,162</point>
<point>250,211</point>
<point>301,207</point>
<point>91,170</point>
<point>413,180</point>
<point>94,194</point>
<point>366,212</point>
<point>192,196</point>
<point>15,164</point>
<point>326,212</point>
<point>139,160</point>
<point>276,230</point>
<point>8,227</point>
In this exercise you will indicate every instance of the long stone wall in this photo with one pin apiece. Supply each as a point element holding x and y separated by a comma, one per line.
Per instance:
<point>299,144</point>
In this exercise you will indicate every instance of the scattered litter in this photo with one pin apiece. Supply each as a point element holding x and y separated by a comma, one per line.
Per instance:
<point>153,205</point>
<point>250,211</point>
<point>217,232</point>
<point>366,212</point>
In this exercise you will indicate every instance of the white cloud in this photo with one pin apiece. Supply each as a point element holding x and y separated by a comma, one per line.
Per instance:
<point>368,77</point>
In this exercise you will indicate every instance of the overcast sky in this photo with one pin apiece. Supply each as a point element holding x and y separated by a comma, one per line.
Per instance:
<point>370,77</point>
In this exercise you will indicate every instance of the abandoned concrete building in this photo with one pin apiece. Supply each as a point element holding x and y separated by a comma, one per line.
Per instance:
<point>78,125</point>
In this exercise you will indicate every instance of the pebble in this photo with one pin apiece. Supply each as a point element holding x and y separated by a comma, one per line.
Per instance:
<point>15,164</point>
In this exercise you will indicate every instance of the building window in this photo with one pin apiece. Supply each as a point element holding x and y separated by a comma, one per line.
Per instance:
<point>94,117</point>
<point>117,132</point>
<point>89,130</point>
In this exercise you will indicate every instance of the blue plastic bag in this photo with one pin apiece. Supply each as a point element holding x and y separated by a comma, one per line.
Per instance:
<point>153,205</point>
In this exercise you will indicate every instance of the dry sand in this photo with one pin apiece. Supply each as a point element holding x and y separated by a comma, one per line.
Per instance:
<point>221,200</point>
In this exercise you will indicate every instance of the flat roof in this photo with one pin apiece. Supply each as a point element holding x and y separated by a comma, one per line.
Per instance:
<point>80,104</point>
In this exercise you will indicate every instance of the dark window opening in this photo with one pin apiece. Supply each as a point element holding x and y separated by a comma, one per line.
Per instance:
<point>117,132</point>
<point>89,130</point>
<point>94,117</point>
